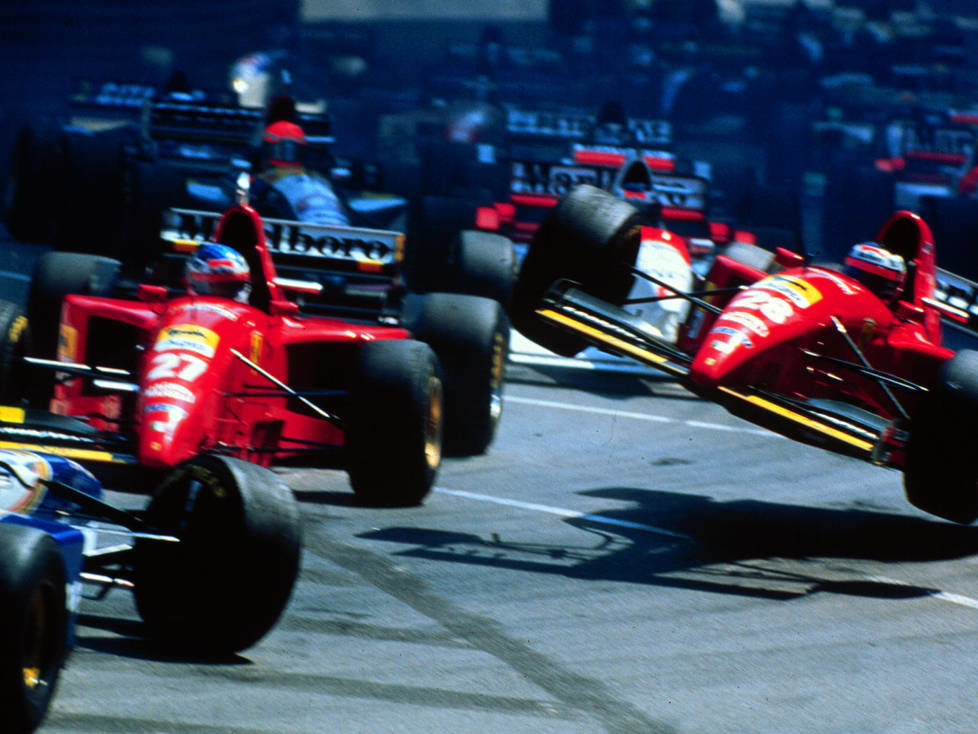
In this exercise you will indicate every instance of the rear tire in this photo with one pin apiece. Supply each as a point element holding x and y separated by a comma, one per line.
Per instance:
<point>483,264</point>
<point>14,346</point>
<point>56,275</point>
<point>394,427</point>
<point>941,476</point>
<point>35,185</point>
<point>435,221</point>
<point>92,207</point>
<point>590,237</point>
<point>33,624</point>
<point>223,586</point>
<point>470,335</point>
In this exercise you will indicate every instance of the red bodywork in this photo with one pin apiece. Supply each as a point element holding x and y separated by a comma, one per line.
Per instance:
<point>808,332</point>
<point>806,351</point>
<point>187,355</point>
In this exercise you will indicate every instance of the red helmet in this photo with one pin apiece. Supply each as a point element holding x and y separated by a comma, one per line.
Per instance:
<point>283,144</point>
<point>880,270</point>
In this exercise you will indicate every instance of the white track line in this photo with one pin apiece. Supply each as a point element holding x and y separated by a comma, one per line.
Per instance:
<point>651,418</point>
<point>945,596</point>
<point>561,512</point>
<point>951,598</point>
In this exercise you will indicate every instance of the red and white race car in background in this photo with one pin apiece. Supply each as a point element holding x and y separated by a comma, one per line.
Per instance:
<point>630,160</point>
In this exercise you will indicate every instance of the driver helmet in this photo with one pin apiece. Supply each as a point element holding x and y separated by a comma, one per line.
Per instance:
<point>218,270</point>
<point>283,144</point>
<point>880,270</point>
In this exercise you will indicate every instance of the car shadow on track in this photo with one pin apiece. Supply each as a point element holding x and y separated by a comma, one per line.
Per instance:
<point>131,642</point>
<point>606,384</point>
<point>748,548</point>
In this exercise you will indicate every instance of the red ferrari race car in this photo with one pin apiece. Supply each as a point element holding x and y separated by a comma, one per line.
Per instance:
<point>231,367</point>
<point>847,358</point>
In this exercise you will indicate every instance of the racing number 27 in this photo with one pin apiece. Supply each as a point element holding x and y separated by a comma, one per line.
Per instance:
<point>181,366</point>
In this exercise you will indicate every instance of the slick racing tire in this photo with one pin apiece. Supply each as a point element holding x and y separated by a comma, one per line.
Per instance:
<point>395,424</point>
<point>591,238</point>
<point>92,209</point>
<point>470,335</point>
<point>941,475</point>
<point>56,275</point>
<point>14,346</point>
<point>225,583</point>
<point>482,264</point>
<point>435,220</point>
<point>33,624</point>
<point>35,185</point>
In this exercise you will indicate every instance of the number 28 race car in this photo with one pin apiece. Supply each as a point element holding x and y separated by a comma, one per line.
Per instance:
<point>821,354</point>
<point>211,561</point>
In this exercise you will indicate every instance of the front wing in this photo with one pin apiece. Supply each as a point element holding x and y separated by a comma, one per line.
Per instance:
<point>831,426</point>
<point>35,430</point>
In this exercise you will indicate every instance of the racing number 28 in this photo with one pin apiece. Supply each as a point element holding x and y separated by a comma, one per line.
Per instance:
<point>181,366</point>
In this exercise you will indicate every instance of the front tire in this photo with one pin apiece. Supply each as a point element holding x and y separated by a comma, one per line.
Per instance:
<point>223,586</point>
<point>470,335</point>
<point>590,237</point>
<point>33,624</point>
<point>395,423</point>
<point>941,476</point>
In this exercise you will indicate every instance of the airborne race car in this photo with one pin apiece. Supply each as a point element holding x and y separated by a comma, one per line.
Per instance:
<point>155,381</point>
<point>211,563</point>
<point>804,350</point>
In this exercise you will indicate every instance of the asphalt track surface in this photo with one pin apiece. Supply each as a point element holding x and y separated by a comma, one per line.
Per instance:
<point>626,558</point>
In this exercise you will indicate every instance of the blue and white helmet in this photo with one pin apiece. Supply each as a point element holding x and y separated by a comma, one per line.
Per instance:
<point>218,270</point>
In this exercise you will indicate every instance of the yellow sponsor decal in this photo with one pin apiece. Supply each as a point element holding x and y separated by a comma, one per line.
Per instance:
<point>257,341</point>
<point>67,343</point>
<point>10,414</point>
<point>189,337</point>
<point>797,290</point>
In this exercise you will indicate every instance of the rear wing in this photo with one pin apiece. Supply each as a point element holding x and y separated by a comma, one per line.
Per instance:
<point>529,178</point>
<point>222,124</point>
<point>121,96</point>
<point>355,268</point>
<point>577,126</point>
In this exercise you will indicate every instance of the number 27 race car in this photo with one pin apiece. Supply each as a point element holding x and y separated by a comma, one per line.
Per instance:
<point>144,384</point>
<point>846,358</point>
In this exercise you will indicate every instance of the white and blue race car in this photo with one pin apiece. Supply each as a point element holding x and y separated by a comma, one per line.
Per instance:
<point>211,561</point>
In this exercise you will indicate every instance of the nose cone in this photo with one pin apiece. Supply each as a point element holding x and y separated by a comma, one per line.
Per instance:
<point>754,325</point>
<point>183,371</point>
<point>725,350</point>
<point>168,435</point>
